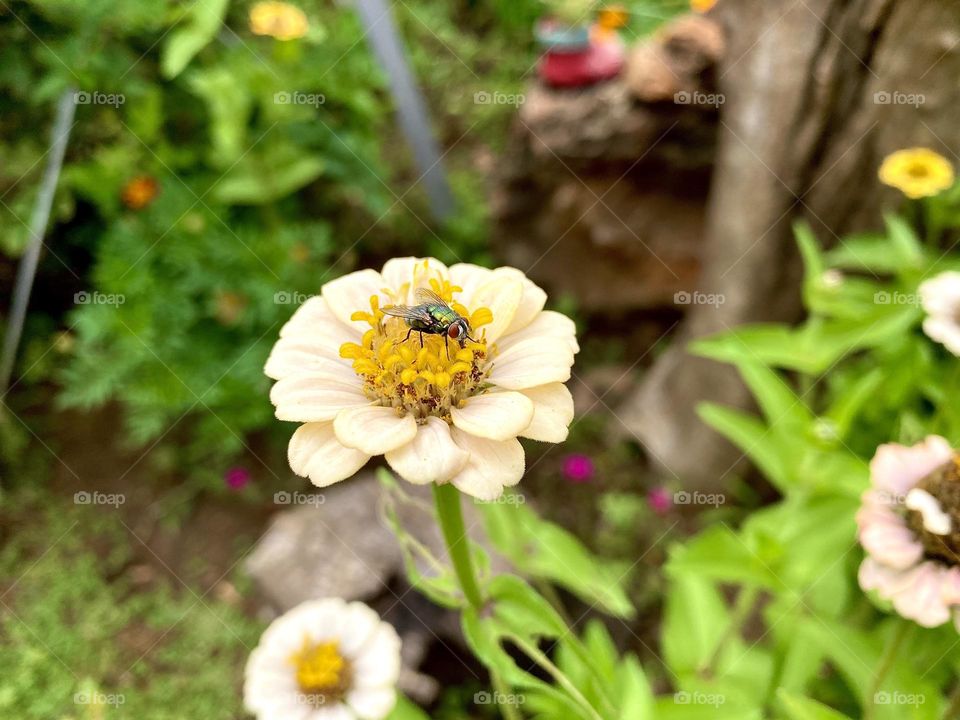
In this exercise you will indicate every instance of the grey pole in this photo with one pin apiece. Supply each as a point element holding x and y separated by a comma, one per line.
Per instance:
<point>381,32</point>
<point>38,228</point>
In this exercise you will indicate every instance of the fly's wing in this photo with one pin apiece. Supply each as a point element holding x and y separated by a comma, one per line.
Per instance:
<point>418,314</point>
<point>429,297</point>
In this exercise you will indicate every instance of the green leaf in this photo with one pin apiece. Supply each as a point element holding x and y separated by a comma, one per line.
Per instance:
<point>201,23</point>
<point>522,610</point>
<point>718,554</point>
<point>798,707</point>
<point>635,699</point>
<point>229,103</point>
<point>695,619</point>
<point>262,177</point>
<point>546,551</point>
<point>777,400</point>
<point>406,710</point>
<point>753,437</point>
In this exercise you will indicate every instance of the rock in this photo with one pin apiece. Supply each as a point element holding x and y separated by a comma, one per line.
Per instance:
<point>332,545</point>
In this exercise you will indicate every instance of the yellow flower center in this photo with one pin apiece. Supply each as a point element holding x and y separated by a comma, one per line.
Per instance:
<point>321,670</point>
<point>425,380</point>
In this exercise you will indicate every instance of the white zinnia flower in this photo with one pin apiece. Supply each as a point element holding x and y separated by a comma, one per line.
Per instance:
<point>440,413</point>
<point>324,660</point>
<point>941,301</point>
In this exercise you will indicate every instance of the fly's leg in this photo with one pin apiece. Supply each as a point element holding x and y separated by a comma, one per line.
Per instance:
<point>398,342</point>
<point>421,339</point>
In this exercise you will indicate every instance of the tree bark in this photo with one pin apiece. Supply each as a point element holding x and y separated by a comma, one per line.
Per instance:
<point>816,93</point>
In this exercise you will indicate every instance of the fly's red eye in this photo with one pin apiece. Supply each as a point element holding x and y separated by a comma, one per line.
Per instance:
<point>453,331</point>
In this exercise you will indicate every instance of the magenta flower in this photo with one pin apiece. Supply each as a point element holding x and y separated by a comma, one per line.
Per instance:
<point>660,500</point>
<point>578,468</point>
<point>236,478</point>
<point>909,524</point>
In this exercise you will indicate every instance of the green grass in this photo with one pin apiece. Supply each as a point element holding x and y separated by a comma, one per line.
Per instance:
<point>74,625</point>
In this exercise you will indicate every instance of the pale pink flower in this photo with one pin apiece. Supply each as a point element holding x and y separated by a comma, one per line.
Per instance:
<point>909,535</point>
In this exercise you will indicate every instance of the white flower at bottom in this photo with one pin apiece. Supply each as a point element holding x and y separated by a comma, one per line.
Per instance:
<point>440,409</point>
<point>324,660</point>
<point>909,524</point>
<point>941,301</point>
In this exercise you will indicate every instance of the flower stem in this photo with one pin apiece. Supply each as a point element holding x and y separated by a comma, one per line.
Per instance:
<point>894,642</point>
<point>450,517</point>
<point>563,681</point>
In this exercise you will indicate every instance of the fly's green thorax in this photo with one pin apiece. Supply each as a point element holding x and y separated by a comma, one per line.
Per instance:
<point>443,315</point>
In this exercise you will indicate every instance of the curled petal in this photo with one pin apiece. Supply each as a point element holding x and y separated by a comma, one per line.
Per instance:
<point>492,465</point>
<point>532,299</point>
<point>552,413</point>
<point>432,456</point>
<point>496,416</point>
<point>374,429</point>
<point>897,468</point>
<point>547,324</point>
<point>894,546</point>
<point>918,596</point>
<point>502,296</point>
<point>315,452</point>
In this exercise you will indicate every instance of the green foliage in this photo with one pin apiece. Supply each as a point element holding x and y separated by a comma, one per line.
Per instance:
<point>76,630</point>
<point>856,373</point>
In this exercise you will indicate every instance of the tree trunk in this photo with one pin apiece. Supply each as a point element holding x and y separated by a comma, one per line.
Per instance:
<point>816,93</point>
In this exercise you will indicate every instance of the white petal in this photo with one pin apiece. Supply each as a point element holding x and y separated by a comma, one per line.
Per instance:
<point>331,712</point>
<point>496,416</point>
<point>502,296</point>
<point>531,363</point>
<point>350,293</point>
<point>548,324</point>
<point>398,276</point>
<point>492,465</point>
<point>552,413</point>
<point>897,468</point>
<point>532,299</point>
<point>375,429</point>
<point>372,703</point>
<point>355,627</point>
<point>469,278</point>
<point>919,596</point>
<point>378,664</point>
<point>299,354</point>
<point>935,520</point>
<point>432,456</point>
<point>315,452</point>
<point>314,397</point>
<point>944,330</point>
<point>312,313</point>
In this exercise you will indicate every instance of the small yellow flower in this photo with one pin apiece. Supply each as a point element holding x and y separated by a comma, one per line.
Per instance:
<point>702,6</point>
<point>279,20</point>
<point>917,172</point>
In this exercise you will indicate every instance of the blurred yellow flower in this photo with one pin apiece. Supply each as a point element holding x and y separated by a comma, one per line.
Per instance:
<point>917,172</point>
<point>279,20</point>
<point>702,6</point>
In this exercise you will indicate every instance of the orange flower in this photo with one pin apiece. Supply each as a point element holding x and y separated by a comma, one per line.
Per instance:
<point>613,17</point>
<point>140,192</point>
<point>702,6</point>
